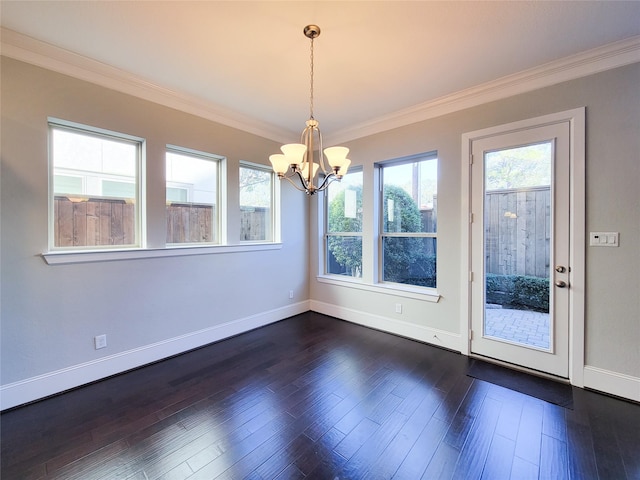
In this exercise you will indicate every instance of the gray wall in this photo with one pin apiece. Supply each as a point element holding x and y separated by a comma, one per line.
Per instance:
<point>50,314</point>
<point>612,101</point>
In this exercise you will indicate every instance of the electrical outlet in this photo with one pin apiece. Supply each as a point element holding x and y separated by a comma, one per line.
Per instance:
<point>100,341</point>
<point>290,293</point>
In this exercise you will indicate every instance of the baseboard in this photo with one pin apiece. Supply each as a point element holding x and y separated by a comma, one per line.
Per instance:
<point>414,331</point>
<point>618,384</point>
<point>41,386</point>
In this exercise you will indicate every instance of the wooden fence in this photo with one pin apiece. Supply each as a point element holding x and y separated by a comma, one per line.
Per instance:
<point>518,231</point>
<point>190,223</point>
<point>255,224</point>
<point>84,222</point>
<point>517,226</point>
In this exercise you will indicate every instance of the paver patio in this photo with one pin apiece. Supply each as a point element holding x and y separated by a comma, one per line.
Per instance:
<point>521,326</point>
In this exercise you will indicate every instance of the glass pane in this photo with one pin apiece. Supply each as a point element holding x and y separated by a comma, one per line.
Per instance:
<point>191,195</point>
<point>94,188</point>
<point>344,256</point>
<point>255,204</point>
<point>344,215</point>
<point>409,260</point>
<point>410,197</point>
<point>345,204</point>
<point>111,188</point>
<point>67,184</point>
<point>518,223</point>
<point>179,195</point>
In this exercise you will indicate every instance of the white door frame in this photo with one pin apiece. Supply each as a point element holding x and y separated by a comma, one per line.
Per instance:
<point>576,120</point>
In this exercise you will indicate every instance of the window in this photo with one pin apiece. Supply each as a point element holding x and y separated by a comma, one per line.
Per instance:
<point>95,188</point>
<point>193,196</point>
<point>408,206</point>
<point>343,237</point>
<point>258,195</point>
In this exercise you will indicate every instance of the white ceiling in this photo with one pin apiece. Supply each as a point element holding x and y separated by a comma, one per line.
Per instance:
<point>372,59</point>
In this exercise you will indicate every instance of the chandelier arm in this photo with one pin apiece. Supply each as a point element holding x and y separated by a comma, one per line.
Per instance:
<point>328,180</point>
<point>297,187</point>
<point>321,161</point>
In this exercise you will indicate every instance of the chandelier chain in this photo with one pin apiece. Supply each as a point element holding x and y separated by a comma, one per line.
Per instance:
<point>311,87</point>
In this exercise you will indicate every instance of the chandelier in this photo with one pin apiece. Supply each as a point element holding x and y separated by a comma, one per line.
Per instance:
<point>297,159</point>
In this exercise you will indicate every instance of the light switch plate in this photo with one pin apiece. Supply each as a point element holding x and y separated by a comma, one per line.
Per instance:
<point>604,239</point>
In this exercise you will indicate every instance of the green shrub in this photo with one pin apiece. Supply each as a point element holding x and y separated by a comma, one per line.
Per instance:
<point>518,291</point>
<point>403,258</point>
<point>347,253</point>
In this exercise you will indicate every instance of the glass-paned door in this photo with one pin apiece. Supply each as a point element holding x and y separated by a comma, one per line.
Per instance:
<point>520,252</point>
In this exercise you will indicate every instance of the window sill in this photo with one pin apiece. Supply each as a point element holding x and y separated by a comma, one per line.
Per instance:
<point>91,256</point>
<point>418,293</point>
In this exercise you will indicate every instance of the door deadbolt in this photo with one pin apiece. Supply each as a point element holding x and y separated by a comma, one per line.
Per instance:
<point>561,269</point>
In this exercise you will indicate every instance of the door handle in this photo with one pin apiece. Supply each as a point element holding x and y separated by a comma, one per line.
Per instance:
<point>561,269</point>
<point>561,284</point>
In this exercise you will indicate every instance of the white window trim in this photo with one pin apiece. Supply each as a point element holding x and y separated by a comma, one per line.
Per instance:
<point>220,225</point>
<point>425,294</point>
<point>324,257</point>
<point>140,217</point>
<point>395,289</point>
<point>93,256</point>
<point>378,182</point>
<point>275,204</point>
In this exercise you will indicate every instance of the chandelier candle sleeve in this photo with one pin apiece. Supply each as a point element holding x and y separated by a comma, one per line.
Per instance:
<point>297,159</point>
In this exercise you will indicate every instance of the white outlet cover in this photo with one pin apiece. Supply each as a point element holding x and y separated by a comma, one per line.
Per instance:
<point>100,341</point>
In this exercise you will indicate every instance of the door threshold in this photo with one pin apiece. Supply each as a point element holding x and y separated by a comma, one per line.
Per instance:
<point>520,368</point>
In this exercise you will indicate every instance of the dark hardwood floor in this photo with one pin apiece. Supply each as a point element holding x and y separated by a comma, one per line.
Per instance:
<point>316,398</point>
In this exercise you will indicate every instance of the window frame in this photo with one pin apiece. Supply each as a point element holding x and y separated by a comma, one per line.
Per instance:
<point>274,221</point>
<point>91,254</point>
<point>380,221</point>
<point>54,124</point>
<point>219,219</point>
<point>326,233</point>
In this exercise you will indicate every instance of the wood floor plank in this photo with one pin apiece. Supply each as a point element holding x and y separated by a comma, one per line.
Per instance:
<point>499,458</point>
<point>388,461</point>
<point>523,470</point>
<point>321,448</point>
<point>208,467</point>
<point>554,423</point>
<point>358,466</point>
<point>314,397</point>
<point>581,456</point>
<point>443,463</point>
<point>356,437</point>
<point>553,459</point>
<point>466,415</point>
<point>420,455</point>
<point>473,456</point>
<point>529,439</point>
<point>510,414</point>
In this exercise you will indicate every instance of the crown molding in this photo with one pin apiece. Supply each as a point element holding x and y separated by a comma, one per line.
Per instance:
<point>607,57</point>
<point>29,50</point>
